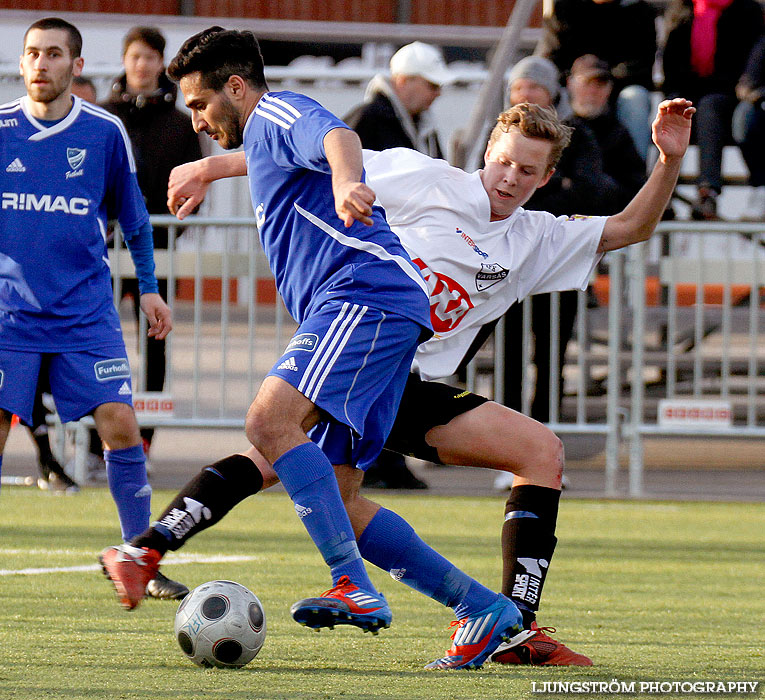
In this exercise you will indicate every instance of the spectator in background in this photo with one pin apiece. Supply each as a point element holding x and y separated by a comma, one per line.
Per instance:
<point>162,137</point>
<point>396,112</point>
<point>708,43</point>
<point>396,108</point>
<point>749,129</point>
<point>578,184</point>
<point>590,84</point>
<point>623,34</point>
<point>84,89</point>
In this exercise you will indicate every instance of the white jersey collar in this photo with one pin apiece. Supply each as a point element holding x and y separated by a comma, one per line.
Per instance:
<point>484,205</point>
<point>43,132</point>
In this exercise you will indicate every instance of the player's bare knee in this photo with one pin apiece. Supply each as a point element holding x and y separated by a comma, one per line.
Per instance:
<point>262,430</point>
<point>116,425</point>
<point>545,462</point>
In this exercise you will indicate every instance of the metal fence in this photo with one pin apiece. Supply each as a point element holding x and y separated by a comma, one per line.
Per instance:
<point>668,340</point>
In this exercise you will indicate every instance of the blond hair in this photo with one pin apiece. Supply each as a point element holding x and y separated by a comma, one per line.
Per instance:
<point>534,122</point>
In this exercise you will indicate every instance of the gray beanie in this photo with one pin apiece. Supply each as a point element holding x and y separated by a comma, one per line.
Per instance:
<point>540,70</point>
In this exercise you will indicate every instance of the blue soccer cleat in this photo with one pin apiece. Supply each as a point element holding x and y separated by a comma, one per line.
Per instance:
<point>477,636</point>
<point>345,604</point>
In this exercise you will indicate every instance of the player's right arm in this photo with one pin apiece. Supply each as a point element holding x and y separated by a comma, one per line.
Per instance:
<point>353,199</point>
<point>189,182</point>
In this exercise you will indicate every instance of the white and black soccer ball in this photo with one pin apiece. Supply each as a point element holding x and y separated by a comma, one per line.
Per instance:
<point>220,623</point>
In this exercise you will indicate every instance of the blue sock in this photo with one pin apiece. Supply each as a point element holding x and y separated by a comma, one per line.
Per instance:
<point>126,474</point>
<point>390,543</point>
<point>309,479</point>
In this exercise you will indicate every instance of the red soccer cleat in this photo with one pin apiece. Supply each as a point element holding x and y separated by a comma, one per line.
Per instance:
<point>129,569</point>
<point>539,650</point>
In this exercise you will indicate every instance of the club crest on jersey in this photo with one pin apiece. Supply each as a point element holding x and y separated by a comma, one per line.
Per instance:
<point>75,157</point>
<point>489,275</point>
<point>303,341</point>
<point>116,368</point>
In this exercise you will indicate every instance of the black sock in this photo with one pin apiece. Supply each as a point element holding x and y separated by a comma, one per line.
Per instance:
<point>202,502</point>
<point>528,543</point>
<point>44,455</point>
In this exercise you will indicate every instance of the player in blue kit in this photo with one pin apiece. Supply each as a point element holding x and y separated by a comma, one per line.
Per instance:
<point>362,309</point>
<point>67,168</point>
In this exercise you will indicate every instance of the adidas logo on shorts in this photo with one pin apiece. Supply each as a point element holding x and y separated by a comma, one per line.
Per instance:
<point>124,389</point>
<point>289,364</point>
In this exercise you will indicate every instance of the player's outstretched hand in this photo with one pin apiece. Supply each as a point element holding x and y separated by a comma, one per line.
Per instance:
<point>186,188</point>
<point>671,130</point>
<point>158,314</point>
<point>353,202</point>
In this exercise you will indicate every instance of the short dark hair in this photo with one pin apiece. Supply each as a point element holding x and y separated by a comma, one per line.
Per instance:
<point>75,38</point>
<point>82,80</point>
<point>151,36</point>
<point>217,54</point>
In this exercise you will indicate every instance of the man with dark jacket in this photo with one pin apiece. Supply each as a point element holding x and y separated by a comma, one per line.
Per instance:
<point>623,34</point>
<point>590,84</point>
<point>396,108</point>
<point>162,137</point>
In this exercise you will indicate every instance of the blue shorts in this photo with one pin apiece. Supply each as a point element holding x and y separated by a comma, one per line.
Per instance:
<point>80,381</point>
<point>352,362</point>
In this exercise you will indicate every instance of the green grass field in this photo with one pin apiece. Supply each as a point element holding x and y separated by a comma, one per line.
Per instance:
<point>650,591</point>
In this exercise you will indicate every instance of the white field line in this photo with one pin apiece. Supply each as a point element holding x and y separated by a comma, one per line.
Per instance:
<point>170,559</point>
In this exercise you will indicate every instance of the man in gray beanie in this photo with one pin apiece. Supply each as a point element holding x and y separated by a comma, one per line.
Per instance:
<point>535,72</point>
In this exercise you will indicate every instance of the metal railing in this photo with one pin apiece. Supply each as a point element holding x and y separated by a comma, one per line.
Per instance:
<point>697,338</point>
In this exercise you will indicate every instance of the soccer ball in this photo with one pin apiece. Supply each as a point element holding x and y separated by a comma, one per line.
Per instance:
<point>220,623</point>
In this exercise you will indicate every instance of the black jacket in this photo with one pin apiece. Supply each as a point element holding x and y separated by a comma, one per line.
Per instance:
<point>379,127</point>
<point>623,167</point>
<point>621,32</point>
<point>738,29</point>
<point>579,183</point>
<point>162,137</point>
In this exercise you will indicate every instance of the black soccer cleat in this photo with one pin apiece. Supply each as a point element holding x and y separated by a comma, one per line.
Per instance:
<point>164,588</point>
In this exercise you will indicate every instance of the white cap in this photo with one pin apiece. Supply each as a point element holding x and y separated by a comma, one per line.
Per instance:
<point>421,59</point>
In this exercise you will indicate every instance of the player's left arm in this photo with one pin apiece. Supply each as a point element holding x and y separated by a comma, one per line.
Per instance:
<point>671,131</point>
<point>140,243</point>
<point>353,198</point>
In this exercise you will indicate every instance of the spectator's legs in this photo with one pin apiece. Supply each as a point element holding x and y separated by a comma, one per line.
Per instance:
<point>540,408</point>
<point>713,118</point>
<point>634,110</point>
<point>514,369</point>
<point>749,133</point>
<point>155,362</point>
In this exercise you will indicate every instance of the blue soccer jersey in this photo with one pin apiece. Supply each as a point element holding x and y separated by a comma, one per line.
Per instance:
<point>60,183</point>
<point>314,258</point>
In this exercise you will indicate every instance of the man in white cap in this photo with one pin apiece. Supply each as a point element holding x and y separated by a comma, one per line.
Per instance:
<point>396,108</point>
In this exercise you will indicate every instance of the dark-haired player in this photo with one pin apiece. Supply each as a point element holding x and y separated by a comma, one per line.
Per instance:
<point>362,308</point>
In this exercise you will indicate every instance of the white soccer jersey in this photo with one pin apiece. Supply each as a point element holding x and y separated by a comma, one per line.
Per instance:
<point>475,268</point>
